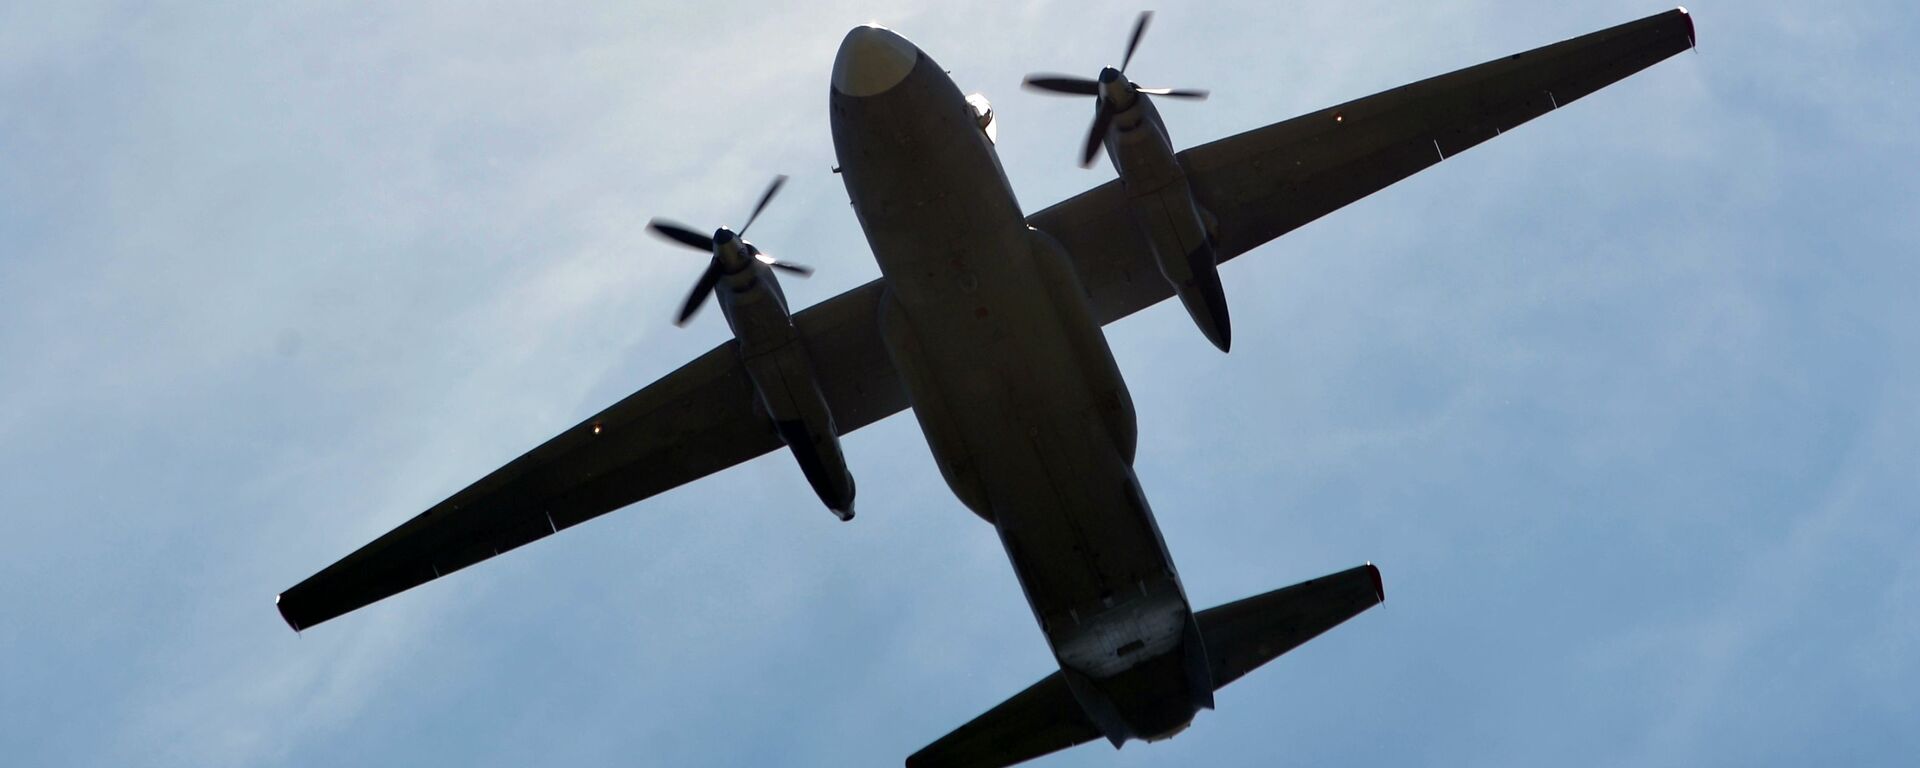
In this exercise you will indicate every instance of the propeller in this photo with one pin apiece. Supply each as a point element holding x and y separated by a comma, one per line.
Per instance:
<point>730,252</point>
<point>1108,89</point>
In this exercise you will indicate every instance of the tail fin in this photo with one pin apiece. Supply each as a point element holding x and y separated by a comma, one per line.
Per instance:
<point>1239,637</point>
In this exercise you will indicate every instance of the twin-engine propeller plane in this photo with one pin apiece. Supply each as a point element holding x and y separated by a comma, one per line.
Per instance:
<point>986,322</point>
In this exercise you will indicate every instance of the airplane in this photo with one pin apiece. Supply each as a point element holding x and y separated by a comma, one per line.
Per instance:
<point>986,323</point>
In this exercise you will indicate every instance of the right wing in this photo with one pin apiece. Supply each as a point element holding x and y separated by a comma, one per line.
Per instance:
<point>695,421</point>
<point>1269,181</point>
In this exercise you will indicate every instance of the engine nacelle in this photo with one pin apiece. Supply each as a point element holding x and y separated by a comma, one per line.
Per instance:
<point>776,360</point>
<point>1178,232</point>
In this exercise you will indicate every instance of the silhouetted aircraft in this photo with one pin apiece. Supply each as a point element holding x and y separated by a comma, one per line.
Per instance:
<point>986,322</point>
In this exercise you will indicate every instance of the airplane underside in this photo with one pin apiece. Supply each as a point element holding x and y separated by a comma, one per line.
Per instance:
<point>987,325</point>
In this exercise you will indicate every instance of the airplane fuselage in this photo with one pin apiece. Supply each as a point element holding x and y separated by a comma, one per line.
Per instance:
<point>1014,386</point>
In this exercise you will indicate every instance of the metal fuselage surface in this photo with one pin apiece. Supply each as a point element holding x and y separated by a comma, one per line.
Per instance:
<point>1013,383</point>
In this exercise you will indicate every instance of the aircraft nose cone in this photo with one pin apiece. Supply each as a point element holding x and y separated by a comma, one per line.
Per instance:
<point>872,59</point>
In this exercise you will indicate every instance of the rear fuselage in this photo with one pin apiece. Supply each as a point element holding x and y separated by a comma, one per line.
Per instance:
<point>1014,385</point>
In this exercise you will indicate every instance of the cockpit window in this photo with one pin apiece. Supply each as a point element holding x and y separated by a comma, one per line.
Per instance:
<point>983,114</point>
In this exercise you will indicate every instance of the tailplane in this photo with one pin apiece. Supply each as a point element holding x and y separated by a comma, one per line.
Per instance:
<point>1245,634</point>
<point>1239,637</point>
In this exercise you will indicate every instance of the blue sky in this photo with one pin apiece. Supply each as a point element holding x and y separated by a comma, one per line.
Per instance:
<point>1623,403</point>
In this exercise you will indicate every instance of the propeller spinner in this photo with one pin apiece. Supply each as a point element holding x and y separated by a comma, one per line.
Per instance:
<point>1113,91</point>
<point>730,252</point>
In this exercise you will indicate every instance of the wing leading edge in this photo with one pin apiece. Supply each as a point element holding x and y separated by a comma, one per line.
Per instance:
<point>702,418</point>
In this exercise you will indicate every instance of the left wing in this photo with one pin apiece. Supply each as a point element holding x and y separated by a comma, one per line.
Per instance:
<point>698,420</point>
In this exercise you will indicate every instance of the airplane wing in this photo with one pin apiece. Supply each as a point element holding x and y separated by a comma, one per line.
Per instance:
<point>1269,181</point>
<point>702,418</point>
<point>697,420</point>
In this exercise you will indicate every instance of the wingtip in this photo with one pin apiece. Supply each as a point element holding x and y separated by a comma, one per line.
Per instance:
<point>280,604</point>
<point>1379,585</point>
<point>1693,40</point>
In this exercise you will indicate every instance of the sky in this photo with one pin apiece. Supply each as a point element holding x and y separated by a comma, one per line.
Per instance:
<point>1624,404</point>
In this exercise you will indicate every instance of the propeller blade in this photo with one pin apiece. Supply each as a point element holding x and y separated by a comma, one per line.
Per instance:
<point>1176,93</point>
<point>798,269</point>
<point>1097,133</point>
<point>1077,86</point>
<point>682,234</point>
<point>701,290</point>
<point>1139,28</point>
<point>764,199</point>
<point>768,259</point>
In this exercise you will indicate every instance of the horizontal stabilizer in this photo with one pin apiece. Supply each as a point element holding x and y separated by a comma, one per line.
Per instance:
<point>1245,634</point>
<point>1239,636</point>
<point>1043,719</point>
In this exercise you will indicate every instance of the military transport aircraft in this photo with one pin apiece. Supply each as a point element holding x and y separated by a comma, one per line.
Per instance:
<point>986,322</point>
